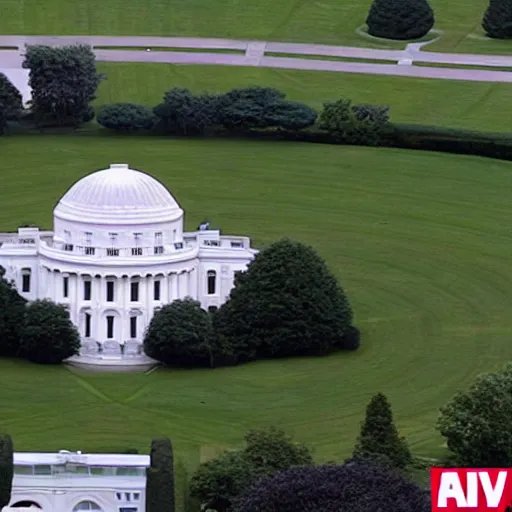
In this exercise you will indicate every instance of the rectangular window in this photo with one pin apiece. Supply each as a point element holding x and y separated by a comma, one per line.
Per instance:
<point>133,327</point>
<point>128,509</point>
<point>127,496</point>
<point>65,287</point>
<point>25,281</point>
<point>212,278</point>
<point>88,238</point>
<point>158,238</point>
<point>110,291</point>
<point>159,249</point>
<point>156,290</point>
<point>136,251</point>
<point>237,244</point>
<point>87,290</point>
<point>136,496</point>
<point>110,327</point>
<point>134,292</point>
<point>87,325</point>
<point>89,251</point>
<point>112,252</point>
<point>42,469</point>
<point>68,247</point>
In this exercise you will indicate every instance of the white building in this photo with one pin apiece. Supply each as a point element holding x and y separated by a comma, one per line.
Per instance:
<point>75,482</point>
<point>117,253</point>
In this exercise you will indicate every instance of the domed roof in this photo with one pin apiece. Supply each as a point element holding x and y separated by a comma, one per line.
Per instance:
<point>118,195</point>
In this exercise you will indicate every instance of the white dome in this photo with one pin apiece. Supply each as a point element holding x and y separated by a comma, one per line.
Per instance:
<point>118,195</point>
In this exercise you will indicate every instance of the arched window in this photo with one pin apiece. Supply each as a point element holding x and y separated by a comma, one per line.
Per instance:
<point>86,505</point>
<point>26,504</point>
<point>212,278</point>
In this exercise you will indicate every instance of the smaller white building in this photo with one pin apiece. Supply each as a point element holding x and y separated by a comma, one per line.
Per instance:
<point>75,482</point>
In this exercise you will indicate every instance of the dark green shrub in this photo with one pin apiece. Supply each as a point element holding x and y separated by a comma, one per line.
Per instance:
<point>351,340</point>
<point>48,336</point>
<point>160,477</point>
<point>497,21</point>
<point>126,117</point>
<point>6,469</point>
<point>400,19</point>
<point>379,435</point>
<point>11,105</point>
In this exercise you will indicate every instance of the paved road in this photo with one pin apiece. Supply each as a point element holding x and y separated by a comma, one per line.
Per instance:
<point>254,53</point>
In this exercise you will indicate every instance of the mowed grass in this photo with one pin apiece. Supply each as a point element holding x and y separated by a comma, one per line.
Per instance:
<point>472,105</point>
<point>420,241</point>
<point>330,21</point>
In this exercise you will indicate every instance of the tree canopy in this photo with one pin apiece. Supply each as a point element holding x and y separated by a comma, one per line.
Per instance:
<point>6,469</point>
<point>180,332</point>
<point>11,104</point>
<point>355,487</point>
<point>12,317</point>
<point>160,477</point>
<point>64,81</point>
<point>497,21</point>
<point>477,423</point>
<point>48,335</point>
<point>286,303</point>
<point>379,435</point>
<point>400,19</point>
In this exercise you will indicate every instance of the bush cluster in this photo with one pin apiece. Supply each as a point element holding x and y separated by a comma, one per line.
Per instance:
<point>287,303</point>
<point>41,331</point>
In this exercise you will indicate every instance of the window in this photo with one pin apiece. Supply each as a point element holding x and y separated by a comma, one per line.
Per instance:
<point>159,249</point>
<point>110,291</point>
<point>136,496</point>
<point>87,290</point>
<point>237,244</point>
<point>134,292</point>
<point>42,469</point>
<point>178,245</point>
<point>137,237</point>
<point>25,280</point>
<point>212,277</point>
<point>136,251</point>
<point>156,290</point>
<point>112,252</point>
<point>133,327</point>
<point>127,496</point>
<point>89,251</point>
<point>68,247</point>
<point>67,235</point>
<point>158,238</point>
<point>23,470</point>
<point>87,325</point>
<point>88,238</point>
<point>110,327</point>
<point>212,309</point>
<point>113,238</point>
<point>65,286</point>
<point>86,505</point>
<point>128,509</point>
<point>118,496</point>
<point>173,235</point>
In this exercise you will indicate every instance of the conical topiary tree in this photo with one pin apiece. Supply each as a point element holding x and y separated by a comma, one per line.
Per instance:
<point>497,21</point>
<point>379,437</point>
<point>400,19</point>
<point>286,303</point>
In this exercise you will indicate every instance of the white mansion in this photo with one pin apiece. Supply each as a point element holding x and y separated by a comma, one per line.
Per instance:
<point>118,253</point>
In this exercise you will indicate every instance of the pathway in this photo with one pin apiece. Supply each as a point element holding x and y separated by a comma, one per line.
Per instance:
<point>255,53</point>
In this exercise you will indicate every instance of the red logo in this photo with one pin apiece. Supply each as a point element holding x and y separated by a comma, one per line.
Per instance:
<point>473,489</point>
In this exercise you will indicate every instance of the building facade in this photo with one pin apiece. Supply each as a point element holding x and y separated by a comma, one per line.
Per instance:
<point>118,252</point>
<point>76,482</point>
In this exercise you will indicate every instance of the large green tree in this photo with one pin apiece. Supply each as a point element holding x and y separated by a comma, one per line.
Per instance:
<point>286,303</point>
<point>379,436</point>
<point>12,317</point>
<point>160,477</point>
<point>181,332</point>
<point>497,21</point>
<point>477,423</point>
<point>64,81</point>
<point>217,482</point>
<point>6,469</point>
<point>48,336</point>
<point>400,19</point>
<point>11,104</point>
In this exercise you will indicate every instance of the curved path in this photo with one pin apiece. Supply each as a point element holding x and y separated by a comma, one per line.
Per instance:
<point>254,53</point>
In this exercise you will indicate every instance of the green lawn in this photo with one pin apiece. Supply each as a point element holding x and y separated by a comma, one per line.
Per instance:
<point>330,21</point>
<point>472,105</point>
<point>420,241</point>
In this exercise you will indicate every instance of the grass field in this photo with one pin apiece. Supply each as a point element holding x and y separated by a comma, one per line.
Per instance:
<point>330,22</point>
<point>420,241</point>
<point>472,105</point>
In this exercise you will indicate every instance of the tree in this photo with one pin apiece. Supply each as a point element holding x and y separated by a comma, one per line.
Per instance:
<point>400,19</point>
<point>477,423</point>
<point>6,469</point>
<point>286,303</point>
<point>262,107</point>
<point>126,117</point>
<point>379,435</point>
<point>11,104</point>
<point>160,477</point>
<point>354,487</point>
<point>48,336</point>
<point>497,21</point>
<point>183,113</point>
<point>12,317</point>
<point>354,124</point>
<point>180,332</point>
<point>217,482</point>
<point>64,81</point>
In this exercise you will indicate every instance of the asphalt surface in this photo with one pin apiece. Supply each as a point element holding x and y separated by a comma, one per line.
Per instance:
<point>254,53</point>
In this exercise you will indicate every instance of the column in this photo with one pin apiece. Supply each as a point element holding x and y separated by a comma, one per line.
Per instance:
<point>183,284</point>
<point>174,286</point>
<point>125,314</point>
<point>164,292</point>
<point>74,291</point>
<point>194,292</point>
<point>44,282</point>
<point>98,330</point>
